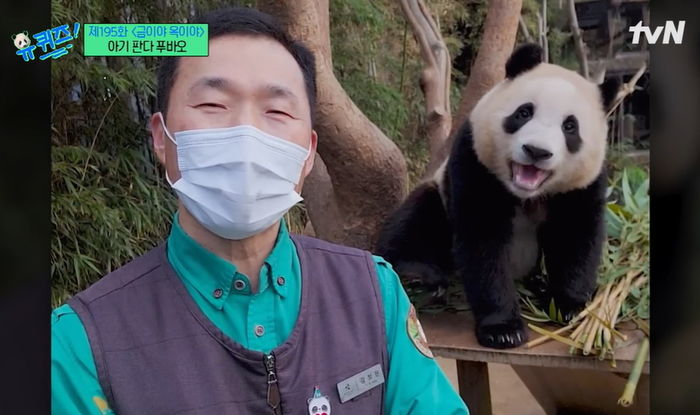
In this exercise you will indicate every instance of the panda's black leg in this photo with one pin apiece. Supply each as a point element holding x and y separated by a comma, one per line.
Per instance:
<point>417,239</point>
<point>490,290</point>
<point>572,240</point>
<point>483,236</point>
<point>481,211</point>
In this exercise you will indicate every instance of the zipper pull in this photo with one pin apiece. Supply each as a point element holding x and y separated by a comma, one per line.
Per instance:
<point>273,389</point>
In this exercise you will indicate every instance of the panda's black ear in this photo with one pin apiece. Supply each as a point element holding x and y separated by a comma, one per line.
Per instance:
<point>13,36</point>
<point>26,33</point>
<point>523,59</point>
<point>608,90</point>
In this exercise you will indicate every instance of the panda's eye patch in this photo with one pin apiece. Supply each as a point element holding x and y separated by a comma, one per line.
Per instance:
<point>518,118</point>
<point>524,112</point>
<point>570,125</point>
<point>571,133</point>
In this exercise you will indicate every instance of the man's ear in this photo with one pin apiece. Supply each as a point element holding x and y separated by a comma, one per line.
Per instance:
<point>312,153</point>
<point>158,136</point>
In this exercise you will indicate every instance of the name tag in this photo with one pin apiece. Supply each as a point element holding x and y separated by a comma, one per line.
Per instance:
<point>360,383</point>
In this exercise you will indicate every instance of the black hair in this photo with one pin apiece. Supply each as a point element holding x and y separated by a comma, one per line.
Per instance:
<point>246,21</point>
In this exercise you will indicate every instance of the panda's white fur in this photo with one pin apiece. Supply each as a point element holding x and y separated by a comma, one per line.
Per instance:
<point>524,182</point>
<point>556,92</point>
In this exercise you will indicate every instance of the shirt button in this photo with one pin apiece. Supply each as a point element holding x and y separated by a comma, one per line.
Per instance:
<point>218,293</point>
<point>280,280</point>
<point>259,330</point>
<point>239,285</point>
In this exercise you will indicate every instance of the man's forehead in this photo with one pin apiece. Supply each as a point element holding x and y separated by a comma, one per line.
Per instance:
<point>249,58</point>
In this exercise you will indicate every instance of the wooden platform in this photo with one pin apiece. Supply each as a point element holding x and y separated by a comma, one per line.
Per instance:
<point>452,336</point>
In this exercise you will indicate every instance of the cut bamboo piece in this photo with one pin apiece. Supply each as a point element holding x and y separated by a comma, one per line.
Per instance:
<point>627,397</point>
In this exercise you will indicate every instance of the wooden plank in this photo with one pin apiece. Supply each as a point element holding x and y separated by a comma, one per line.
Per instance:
<point>452,336</point>
<point>473,378</point>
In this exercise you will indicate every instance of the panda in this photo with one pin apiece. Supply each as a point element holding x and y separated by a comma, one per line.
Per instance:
<point>21,40</point>
<point>524,184</point>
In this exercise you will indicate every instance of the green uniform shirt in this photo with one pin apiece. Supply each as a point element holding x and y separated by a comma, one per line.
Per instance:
<point>415,383</point>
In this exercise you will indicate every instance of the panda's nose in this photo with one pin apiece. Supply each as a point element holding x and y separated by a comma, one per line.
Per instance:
<point>536,153</point>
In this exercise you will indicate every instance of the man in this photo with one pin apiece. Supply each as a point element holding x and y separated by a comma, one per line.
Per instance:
<point>233,315</point>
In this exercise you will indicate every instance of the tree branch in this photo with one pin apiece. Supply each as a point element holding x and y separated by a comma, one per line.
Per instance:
<point>435,78</point>
<point>627,89</point>
<point>497,42</point>
<point>524,30</point>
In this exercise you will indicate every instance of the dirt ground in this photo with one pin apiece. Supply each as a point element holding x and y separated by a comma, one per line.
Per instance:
<point>509,396</point>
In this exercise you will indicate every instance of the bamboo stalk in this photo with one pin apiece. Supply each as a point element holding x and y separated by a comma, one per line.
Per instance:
<point>594,328</point>
<point>545,338</point>
<point>627,397</point>
<point>579,316</point>
<point>555,336</point>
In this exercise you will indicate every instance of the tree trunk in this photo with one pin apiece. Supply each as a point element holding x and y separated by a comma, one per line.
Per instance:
<point>435,78</point>
<point>362,176</point>
<point>498,40</point>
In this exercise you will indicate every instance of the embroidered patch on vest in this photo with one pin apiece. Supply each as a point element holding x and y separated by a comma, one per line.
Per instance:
<point>319,404</point>
<point>416,334</point>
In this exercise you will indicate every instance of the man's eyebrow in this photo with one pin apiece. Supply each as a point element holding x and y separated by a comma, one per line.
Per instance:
<point>279,91</point>
<point>217,83</point>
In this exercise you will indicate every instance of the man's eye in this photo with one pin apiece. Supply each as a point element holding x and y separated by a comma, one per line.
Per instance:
<point>278,112</point>
<point>211,105</point>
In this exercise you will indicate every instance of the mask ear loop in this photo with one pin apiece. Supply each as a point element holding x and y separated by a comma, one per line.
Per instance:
<point>308,152</point>
<point>167,133</point>
<point>162,122</point>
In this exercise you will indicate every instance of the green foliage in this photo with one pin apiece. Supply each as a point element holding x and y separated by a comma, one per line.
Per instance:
<point>627,247</point>
<point>559,37</point>
<point>105,211</point>
<point>378,63</point>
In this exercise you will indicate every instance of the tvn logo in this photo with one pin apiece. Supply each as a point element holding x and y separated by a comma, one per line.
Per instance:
<point>670,31</point>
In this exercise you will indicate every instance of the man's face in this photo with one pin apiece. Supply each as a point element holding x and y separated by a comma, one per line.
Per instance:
<point>245,80</point>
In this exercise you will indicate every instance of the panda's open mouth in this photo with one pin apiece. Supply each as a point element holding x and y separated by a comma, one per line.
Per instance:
<point>528,177</point>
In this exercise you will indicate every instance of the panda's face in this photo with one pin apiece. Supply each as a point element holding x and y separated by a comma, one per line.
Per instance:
<point>21,40</point>
<point>319,406</point>
<point>542,132</point>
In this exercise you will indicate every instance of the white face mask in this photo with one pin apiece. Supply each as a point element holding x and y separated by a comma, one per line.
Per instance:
<point>236,181</point>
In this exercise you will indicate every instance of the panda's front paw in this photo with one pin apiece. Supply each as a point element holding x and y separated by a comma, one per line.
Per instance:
<point>502,335</point>
<point>566,308</point>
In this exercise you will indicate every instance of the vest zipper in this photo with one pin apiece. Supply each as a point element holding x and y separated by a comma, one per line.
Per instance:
<point>273,389</point>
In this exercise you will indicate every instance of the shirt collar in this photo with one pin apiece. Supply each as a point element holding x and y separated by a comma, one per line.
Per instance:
<point>214,276</point>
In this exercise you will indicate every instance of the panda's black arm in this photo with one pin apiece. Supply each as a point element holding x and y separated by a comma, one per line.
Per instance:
<point>481,211</point>
<point>572,240</point>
